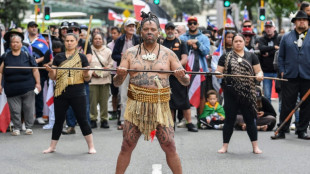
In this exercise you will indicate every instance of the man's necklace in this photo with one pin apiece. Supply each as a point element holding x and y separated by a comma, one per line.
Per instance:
<point>149,55</point>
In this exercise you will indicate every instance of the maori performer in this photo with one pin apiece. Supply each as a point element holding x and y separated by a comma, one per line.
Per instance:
<point>147,111</point>
<point>70,91</point>
<point>239,92</point>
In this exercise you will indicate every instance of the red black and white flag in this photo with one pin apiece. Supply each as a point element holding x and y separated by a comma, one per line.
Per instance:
<point>162,15</point>
<point>113,16</point>
<point>194,91</point>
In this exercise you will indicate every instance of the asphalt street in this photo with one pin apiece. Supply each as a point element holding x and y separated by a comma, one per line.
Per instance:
<point>198,153</point>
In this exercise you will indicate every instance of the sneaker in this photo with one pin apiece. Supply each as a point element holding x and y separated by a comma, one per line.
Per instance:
<point>105,124</point>
<point>113,115</point>
<point>70,130</point>
<point>182,124</point>
<point>293,127</point>
<point>23,126</point>
<point>28,132</point>
<point>40,120</point>
<point>15,133</point>
<point>93,124</point>
<point>191,127</point>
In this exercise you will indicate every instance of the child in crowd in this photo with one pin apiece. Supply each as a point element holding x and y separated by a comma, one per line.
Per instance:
<point>213,114</point>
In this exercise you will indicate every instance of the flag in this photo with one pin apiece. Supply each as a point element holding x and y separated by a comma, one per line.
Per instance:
<point>185,16</point>
<point>5,116</point>
<point>229,21</point>
<point>112,16</point>
<point>245,14</point>
<point>214,61</point>
<point>50,103</point>
<point>162,15</point>
<point>12,25</point>
<point>194,91</point>
<point>50,45</point>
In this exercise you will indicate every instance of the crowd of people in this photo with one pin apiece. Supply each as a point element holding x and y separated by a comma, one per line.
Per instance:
<point>236,103</point>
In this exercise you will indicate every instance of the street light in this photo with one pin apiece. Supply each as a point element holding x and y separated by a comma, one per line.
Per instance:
<point>47,13</point>
<point>226,4</point>
<point>156,2</point>
<point>37,1</point>
<point>262,14</point>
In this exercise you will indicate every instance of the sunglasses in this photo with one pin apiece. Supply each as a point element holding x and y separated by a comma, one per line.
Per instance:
<point>247,26</point>
<point>76,29</point>
<point>191,23</point>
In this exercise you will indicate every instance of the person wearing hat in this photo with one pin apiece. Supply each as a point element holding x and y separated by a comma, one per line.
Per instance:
<point>19,84</point>
<point>268,44</point>
<point>64,26</point>
<point>248,34</point>
<point>127,40</point>
<point>200,44</point>
<point>294,65</point>
<point>179,97</point>
<point>74,28</point>
<point>39,48</point>
<point>7,40</point>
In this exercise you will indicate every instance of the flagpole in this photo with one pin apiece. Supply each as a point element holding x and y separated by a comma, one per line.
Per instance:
<point>88,31</point>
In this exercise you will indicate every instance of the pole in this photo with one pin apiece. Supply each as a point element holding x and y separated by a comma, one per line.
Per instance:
<point>43,19</point>
<point>36,12</point>
<point>153,71</point>
<point>292,112</point>
<point>88,31</point>
<point>262,22</point>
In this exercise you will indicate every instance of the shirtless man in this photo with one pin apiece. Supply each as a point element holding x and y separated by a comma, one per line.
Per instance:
<point>145,113</point>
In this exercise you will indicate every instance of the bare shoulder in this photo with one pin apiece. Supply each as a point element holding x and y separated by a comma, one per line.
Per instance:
<point>131,52</point>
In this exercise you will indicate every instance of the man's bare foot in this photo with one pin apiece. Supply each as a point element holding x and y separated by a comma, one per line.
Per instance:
<point>222,150</point>
<point>92,151</point>
<point>49,150</point>
<point>257,151</point>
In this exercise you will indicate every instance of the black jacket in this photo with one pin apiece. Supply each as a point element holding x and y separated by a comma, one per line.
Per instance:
<point>118,47</point>
<point>266,44</point>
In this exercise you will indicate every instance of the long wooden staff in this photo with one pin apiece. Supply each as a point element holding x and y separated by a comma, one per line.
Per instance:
<point>88,31</point>
<point>153,71</point>
<point>292,112</point>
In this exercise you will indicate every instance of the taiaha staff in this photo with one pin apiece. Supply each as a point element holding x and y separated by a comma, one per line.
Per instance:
<point>292,112</point>
<point>153,71</point>
<point>88,31</point>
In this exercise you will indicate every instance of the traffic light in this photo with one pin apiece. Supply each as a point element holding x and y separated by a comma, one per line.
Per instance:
<point>226,4</point>
<point>47,13</point>
<point>156,2</point>
<point>262,14</point>
<point>37,1</point>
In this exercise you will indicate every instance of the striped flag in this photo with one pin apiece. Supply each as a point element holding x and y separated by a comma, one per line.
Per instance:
<point>194,91</point>
<point>50,103</point>
<point>112,16</point>
<point>214,61</point>
<point>162,15</point>
<point>5,116</point>
<point>245,14</point>
<point>185,16</point>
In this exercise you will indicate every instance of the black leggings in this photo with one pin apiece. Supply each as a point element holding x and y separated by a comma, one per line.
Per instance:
<point>78,104</point>
<point>231,107</point>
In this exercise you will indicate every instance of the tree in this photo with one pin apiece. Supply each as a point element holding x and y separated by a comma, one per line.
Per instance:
<point>282,8</point>
<point>189,7</point>
<point>10,10</point>
<point>251,4</point>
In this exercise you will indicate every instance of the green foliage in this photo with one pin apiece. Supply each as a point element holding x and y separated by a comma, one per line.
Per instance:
<point>10,10</point>
<point>124,5</point>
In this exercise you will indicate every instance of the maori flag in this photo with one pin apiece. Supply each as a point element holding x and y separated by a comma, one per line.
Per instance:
<point>162,15</point>
<point>112,16</point>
